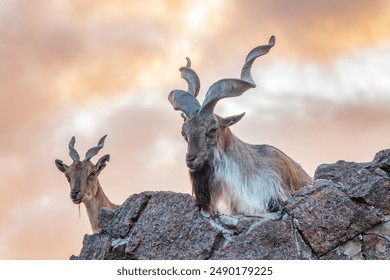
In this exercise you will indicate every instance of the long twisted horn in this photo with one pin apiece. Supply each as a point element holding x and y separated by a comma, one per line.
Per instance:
<point>235,87</point>
<point>251,57</point>
<point>185,101</point>
<point>72,151</point>
<point>95,150</point>
<point>191,78</point>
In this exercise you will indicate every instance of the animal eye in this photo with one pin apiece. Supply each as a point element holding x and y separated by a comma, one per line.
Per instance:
<point>67,178</point>
<point>213,131</point>
<point>92,174</point>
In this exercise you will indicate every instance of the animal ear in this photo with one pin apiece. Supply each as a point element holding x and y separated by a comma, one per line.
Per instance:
<point>231,120</point>
<point>102,163</point>
<point>61,166</point>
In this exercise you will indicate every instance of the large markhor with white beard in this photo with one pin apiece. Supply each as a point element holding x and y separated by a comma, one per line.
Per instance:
<point>228,175</point>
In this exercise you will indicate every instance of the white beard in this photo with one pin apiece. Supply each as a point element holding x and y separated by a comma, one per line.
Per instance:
<point>245,194</point>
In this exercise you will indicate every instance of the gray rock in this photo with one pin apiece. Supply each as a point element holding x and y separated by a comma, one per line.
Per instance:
<point>117,223</point>
<point>344,214</point>
<point>95,247</point>
<point>339,172</point>
<point>376,247</point>
<point>372,184</point>
<point>376,241</point>
<point>266,240</point>
<point>350,250</point>
<point>178,232</point>
<point>373,244</point>
<point>327,217</point>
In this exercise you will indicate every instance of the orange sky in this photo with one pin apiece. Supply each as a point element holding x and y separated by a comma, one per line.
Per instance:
<point>106,67</point>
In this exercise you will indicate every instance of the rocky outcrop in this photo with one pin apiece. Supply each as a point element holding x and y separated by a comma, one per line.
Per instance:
<point>344,214</point>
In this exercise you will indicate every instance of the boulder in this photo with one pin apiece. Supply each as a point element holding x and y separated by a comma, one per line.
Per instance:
<point>344,214</point>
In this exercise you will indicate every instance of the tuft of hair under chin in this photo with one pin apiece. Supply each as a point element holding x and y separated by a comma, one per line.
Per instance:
<point>201,181</point>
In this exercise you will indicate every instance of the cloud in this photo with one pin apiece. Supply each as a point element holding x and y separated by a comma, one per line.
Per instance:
<point>358,77</point>
<point>34,230</point>
<point>309,29</point>
<point>50,61</point>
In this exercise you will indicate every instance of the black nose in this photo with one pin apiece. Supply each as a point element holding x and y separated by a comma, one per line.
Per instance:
<point>191,158</point>
<point>74,193</point>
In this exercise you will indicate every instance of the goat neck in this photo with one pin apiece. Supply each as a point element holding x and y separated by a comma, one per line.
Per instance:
<point>94,206</point>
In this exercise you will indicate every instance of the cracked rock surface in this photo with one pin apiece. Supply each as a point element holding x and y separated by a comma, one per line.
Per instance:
<point>344,214</point>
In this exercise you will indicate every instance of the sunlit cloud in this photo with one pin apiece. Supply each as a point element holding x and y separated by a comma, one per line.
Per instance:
<point>204,16</point>
<point>196,16</point>
<point>164,152</point>
<point>357,77</point>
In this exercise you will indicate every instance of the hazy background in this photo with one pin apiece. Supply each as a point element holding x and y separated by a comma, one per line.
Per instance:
<point>90,68</point>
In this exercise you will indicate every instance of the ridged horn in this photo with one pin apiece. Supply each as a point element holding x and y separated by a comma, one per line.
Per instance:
<point>95,150</point>
<point>182,100</point>
<point>74,155</point>
<point>192,79</point>
<point>235,87</point>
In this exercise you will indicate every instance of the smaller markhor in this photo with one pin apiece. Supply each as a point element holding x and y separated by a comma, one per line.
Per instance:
<point>84,183</point>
